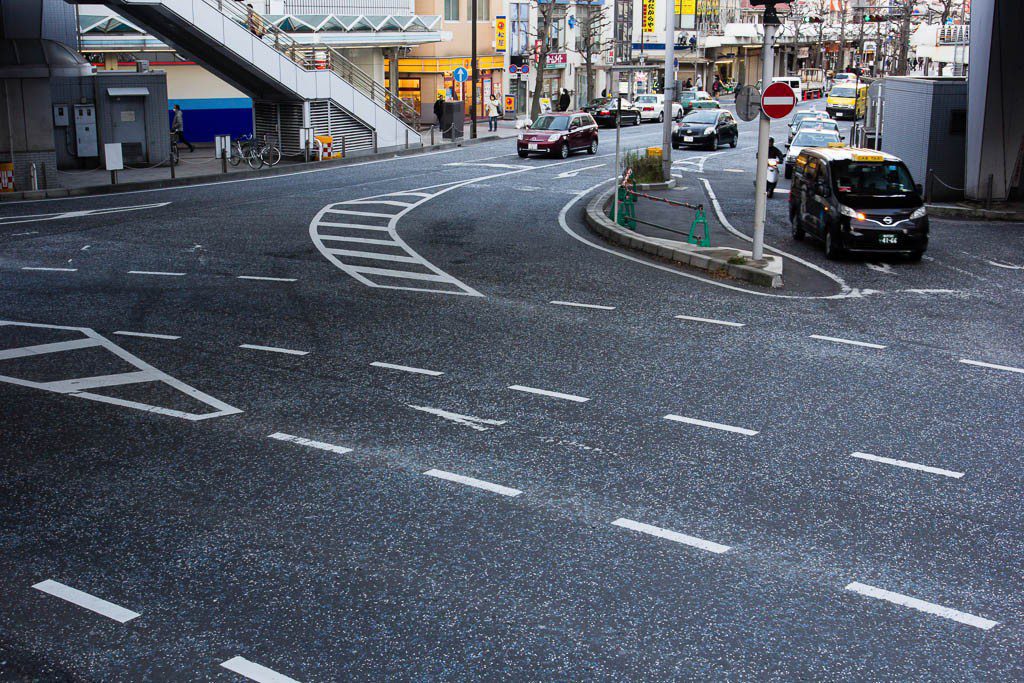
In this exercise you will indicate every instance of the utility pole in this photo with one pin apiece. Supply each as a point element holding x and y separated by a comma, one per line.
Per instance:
<point>771,25</point>
<point>670,89</point>
<point>473,76</point>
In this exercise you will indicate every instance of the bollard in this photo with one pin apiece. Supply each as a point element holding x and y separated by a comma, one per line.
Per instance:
<point>374,134</point>
<point>343,153</point>
<point>699,219</point>
<point>35,176</point>
<point>407,138</point>
<point>173,174</point>
<point>627,209</point>
<point>223,162</point>
<point>431,135</point>
<point>113,177</point>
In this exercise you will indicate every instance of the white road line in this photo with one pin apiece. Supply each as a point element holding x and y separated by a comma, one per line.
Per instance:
<point>89,602</point>
<point>255,672</point>
<point>275,349</point>
<point>370,214</point>
<point>11,220</point>
<point>671,535</point>
<point>267,279</point>
<point>710,320</point>
<point>1008,266</point>
<point>147,335</point>
<point>712,425</point>
<point>851,342</point>
<point>552,394</point>
<point>55,270</point>
<point>572,303</point>
<point>281,436</point>
<point>22,234</point>
<point>980,364</point>
<point>734,170</point>
<point>406,368</point>
<point>907,464</point>
<point>477,423</point>
<point>921,605</point>
<point>154,272</point>
<point>470,481</point>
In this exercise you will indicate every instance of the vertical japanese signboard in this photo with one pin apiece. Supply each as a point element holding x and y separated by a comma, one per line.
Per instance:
<point>500,35</point>
<point>649,10</point>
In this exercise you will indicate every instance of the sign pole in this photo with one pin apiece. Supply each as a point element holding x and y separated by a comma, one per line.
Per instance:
<point>472,64</point>
<point>670,89</point>
<point>771,25</point>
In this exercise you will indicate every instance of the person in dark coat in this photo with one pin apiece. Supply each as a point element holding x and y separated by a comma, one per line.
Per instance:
<point>439,109</point>
<point>563,100</point>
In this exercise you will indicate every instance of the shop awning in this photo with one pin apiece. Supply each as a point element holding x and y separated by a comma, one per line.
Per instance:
<point>127,92</point>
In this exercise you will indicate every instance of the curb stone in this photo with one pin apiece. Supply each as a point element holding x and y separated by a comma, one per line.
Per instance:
<point>972,213</point>
<point>94,190</point>
<point>711,259</point>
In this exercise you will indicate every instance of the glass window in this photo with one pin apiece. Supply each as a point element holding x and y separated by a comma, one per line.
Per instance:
<point>451,10</point>
<point>811,138</point>
<point>552,123</point>
<point>887,179</point>
<point>843,91</point>
<point>483,10</point>
<point>708,117</point>
<point>519,16</point>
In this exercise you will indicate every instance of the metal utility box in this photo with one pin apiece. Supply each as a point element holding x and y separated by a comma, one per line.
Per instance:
<point>86,143</point>
<point>924,122</point>
<point>453,120</point>
<point>60,115</point>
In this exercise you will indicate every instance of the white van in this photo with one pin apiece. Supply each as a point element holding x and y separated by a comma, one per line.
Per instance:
<point>793,82</point>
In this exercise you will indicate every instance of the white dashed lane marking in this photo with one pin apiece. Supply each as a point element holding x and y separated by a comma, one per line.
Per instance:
<point>851,342</point>
<point>692,541</point>
<point>710,320</point>
<point>255,672</point>
<point>273,349</point>
<point>479,424</point>
<point>266,279</point>
<point>89,602</point>
<point>993,366</point>
<point>51,270</point>
<point>476,483</point>
<point>147,335</point>
<point>711,425</point>
<point>551,394</point>
<point>921,605</point>
<point>573,303</point>
<point>908,465</point>
<point>154,272</point>
<point>321,445</point>
<point>406,368</point>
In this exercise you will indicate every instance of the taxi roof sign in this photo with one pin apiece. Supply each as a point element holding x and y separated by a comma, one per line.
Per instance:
<point>868,157</point>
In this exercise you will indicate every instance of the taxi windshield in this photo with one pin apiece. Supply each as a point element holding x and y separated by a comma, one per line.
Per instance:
<point>843,91</point>
<point>647,98</point>
<point>872,178</point>
<point>814,138</point>
<point>701,117</point>
<point>552,123</point>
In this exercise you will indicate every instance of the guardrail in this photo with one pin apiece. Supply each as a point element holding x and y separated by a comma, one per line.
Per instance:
<point>626,212</point>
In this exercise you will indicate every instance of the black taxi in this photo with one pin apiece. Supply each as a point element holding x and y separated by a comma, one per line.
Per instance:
<point>858,201</point>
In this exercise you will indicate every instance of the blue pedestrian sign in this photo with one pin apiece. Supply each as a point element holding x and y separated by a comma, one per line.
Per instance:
<point>460,75</point>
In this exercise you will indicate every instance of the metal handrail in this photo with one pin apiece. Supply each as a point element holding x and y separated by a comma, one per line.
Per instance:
<point>317,57</point>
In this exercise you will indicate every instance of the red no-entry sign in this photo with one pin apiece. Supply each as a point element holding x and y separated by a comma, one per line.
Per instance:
<point>778,100</point>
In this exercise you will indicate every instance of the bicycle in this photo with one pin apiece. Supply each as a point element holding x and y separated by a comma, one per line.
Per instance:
<point>174,148</point>
<point>247,149</point>
<point>270,154</point>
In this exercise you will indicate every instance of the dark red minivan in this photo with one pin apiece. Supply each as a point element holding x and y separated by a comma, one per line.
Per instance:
<point>559,134</point>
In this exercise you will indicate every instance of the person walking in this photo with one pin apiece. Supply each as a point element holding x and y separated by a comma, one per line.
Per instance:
<point>563,100</point>
<point>716,87</point>
<point>178,127</point>
<point>439,109</point>
<point>492,114</point>
<point>688,85</point>
<point>700,82</point>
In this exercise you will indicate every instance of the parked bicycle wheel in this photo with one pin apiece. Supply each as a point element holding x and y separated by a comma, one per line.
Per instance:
<point>253,157</point>
<point>236,153</point>
<point>174,153</point>
<point>271,155</point>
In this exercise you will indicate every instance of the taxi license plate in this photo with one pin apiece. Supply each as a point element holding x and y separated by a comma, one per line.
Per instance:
<point>687,138</point>
<point>532,147</point>
<point>887,239</point>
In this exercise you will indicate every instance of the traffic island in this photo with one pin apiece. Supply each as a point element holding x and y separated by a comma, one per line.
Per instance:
<point>721,261</point>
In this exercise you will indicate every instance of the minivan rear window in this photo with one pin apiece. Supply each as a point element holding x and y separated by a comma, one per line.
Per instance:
<point>844,91</point>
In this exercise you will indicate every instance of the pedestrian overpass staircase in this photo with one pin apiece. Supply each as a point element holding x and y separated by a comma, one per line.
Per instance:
<point>292,85</point>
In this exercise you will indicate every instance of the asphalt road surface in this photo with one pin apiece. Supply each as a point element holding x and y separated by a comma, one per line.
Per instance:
<point>410,420</point>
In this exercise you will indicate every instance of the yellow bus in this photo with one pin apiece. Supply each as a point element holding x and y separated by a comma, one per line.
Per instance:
<point>847,100</point>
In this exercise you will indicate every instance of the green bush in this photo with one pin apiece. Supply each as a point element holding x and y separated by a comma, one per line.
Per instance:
<point>645,169</point>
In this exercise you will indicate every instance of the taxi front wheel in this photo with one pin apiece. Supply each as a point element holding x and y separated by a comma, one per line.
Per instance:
<point>833,249</point>
<point>798,229</point>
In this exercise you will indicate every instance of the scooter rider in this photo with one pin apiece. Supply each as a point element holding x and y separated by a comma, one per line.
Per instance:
<point>774,152</point>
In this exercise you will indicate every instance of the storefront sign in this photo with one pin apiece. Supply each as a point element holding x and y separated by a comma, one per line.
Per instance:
<point>648,11</point>
<point>510,102</point>
<point>500,34</point>
<point>556,60</point>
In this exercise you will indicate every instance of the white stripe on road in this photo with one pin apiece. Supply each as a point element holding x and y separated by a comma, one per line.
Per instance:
<point>851,342</point>
<point>476,423</point>
<point>671,535</point>
<point>154,272</point>
<point>54,270</point>
<point>712,425</point>
<point>266,279</point>
<point>147,335</point>
<point>552,394</point>
<point>908,465</point>
<point>573,303</point>
<point>406,368</point>
<point>734,170</point>
<point>710,320</point>
<point>89,602</point>
<point>281,436</point>
<point>921,605</point>
<point>255,672</point>
<point>470,481</point>
<point>1008,368</point>
<point>275,349</point>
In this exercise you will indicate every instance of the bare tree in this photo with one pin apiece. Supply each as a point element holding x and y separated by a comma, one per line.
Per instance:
<point>592,39</point>
<point>545,18</point>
